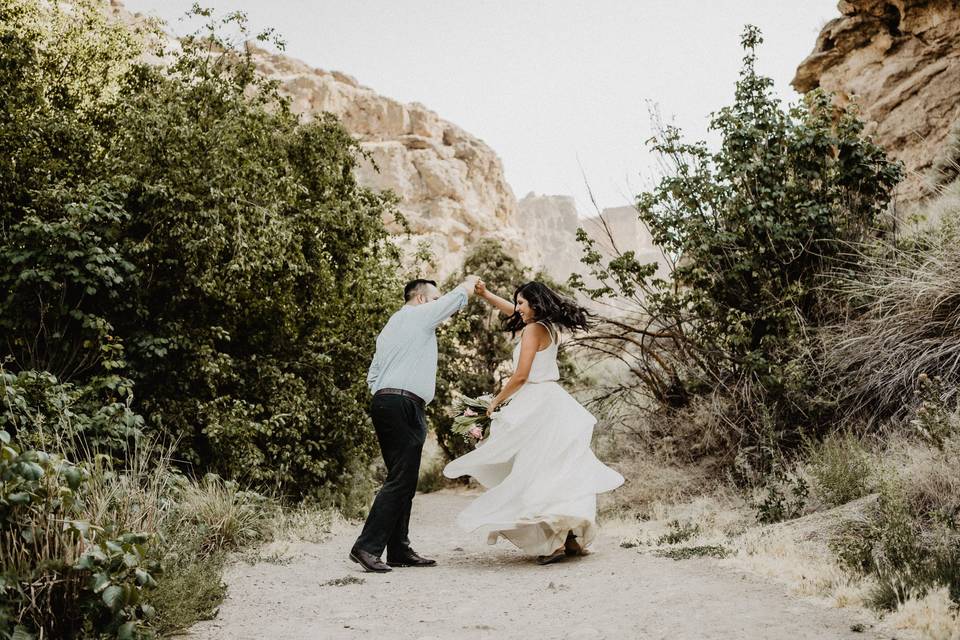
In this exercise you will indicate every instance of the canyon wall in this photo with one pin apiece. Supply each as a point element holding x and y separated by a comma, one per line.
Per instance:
<point>451,185</point>
<point>899,60</point>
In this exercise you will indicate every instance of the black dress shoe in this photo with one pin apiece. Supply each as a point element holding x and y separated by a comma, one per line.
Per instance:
<point>410,558</point>
<point>368,561</point>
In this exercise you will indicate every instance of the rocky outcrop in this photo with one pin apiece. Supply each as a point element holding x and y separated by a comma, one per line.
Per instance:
<point>451,185</point>
<point>551,223</point>
<point>899,60</point>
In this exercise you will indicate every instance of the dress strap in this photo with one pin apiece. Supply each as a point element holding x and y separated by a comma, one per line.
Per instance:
<point>550,330</point>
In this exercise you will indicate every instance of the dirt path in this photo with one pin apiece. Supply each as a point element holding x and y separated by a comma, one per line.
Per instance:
<point>482,592</point>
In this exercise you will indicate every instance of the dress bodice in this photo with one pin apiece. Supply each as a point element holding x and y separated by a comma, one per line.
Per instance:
<point>544,367</point>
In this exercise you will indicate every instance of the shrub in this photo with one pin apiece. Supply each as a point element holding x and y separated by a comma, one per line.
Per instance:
<point>750,231</point>
<point>910,540</point>
<point>64,576</point>
<point>48,414</point>
<point>785,497</point>
<point>224,517</point>
<point>841,468</point>
<point>179,231</point>
<point>679,532</point>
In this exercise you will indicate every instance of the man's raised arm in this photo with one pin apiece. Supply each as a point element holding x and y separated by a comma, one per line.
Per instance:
<point>449,303</point>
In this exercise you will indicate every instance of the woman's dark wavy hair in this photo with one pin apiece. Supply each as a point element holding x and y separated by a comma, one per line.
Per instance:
<point>549,307</point>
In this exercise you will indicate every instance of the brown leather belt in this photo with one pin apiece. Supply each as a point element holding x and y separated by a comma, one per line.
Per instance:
<point>400,392</point>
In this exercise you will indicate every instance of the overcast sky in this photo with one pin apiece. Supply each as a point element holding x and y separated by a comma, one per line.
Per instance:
<point>553,86</point>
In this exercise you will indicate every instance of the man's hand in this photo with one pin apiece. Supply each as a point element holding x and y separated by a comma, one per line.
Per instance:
<point>470,284</point>
<point>480,288</point>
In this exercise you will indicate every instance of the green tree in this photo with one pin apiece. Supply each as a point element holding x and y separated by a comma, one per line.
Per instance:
<point>752,231</point>
<point>179,232</point>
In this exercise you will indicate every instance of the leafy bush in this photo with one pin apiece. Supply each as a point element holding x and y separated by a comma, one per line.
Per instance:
<point>785,497</point>
<point>40,410</point>
<point>909,541</point>
<point>841,468</point>
<point>750,232</point>
<point>180,232</point>
<point>63,576</point>
<point>679,532</point>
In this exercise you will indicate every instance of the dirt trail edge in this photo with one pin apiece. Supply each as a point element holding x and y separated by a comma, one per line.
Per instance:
<point>480,592</point>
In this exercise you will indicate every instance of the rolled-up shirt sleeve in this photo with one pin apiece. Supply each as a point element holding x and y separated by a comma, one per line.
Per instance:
<point>374,372</point>
<point>443,307</point>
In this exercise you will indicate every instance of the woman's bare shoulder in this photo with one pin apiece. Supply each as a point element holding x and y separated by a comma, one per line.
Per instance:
<point>535,332</point>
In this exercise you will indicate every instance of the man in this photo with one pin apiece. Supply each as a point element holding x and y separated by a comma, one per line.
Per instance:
<point>402,378</point>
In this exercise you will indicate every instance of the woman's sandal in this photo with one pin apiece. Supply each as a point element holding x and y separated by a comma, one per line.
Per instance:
<point>571,547</point>
<point>557,555</point>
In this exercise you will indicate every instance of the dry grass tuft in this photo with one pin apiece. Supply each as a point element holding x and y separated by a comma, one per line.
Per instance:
<point>226,517</point>
<point>908,325</point>
<point>840,469</point>
<point>934,616</point>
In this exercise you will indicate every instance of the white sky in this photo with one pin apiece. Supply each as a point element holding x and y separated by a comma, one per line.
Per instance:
<point>550,85</point>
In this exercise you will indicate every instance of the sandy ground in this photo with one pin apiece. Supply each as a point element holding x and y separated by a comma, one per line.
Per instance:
<point>492,592</point>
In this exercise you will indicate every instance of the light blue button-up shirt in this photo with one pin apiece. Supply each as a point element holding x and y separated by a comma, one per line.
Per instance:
<point>406,355</point>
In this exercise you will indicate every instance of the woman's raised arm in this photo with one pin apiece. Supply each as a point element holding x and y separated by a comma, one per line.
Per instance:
<point>505,307</point>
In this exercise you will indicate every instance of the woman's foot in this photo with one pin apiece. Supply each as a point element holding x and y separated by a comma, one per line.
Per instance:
<point>556,556</point>
<point>571,547</point>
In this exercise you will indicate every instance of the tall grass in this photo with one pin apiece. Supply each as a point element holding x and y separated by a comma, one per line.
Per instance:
<point>186,527</point>
<point>907,324</point>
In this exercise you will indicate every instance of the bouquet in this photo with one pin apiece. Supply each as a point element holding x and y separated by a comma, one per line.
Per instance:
<point>471,420</point>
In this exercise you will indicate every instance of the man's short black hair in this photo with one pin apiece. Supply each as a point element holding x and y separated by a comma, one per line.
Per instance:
<point>413,288</point>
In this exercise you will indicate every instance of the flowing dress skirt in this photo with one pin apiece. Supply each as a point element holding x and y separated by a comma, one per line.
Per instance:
<point>541,476</point>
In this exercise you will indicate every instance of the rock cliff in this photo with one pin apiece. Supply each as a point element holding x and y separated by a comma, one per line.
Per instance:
<point>899,60</point>
<point>552,222</point>
<point>451,185</point>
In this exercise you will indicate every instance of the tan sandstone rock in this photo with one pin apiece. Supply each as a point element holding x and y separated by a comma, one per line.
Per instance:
<point>451,185</point>
<point>553,221</point>
<point>899,60</point>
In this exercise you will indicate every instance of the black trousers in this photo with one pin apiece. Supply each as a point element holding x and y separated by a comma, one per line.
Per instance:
<point>401,428</point>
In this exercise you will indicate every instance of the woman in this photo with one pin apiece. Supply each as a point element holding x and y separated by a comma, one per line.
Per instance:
<point>541,477</point>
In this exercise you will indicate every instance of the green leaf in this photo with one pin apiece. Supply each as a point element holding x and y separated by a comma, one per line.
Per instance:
<point>144,578</point>
<point>20,497</point>
<point>100,582</point>
<point>73,477</point>
<point>126,631</point>
<point>21,633</point>
<point>113,597</point>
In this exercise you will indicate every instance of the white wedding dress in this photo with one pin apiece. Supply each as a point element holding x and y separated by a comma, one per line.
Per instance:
<point>541,476</point>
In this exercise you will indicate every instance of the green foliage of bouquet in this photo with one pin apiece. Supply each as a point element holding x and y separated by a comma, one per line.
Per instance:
<point>471,421</point>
